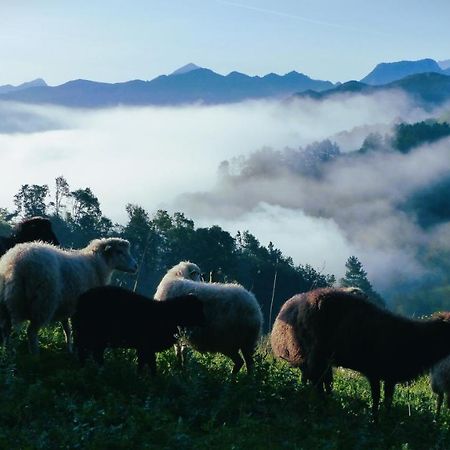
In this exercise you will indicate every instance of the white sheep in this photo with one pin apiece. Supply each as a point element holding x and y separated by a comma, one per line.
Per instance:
<point>41,283</point>
<point>233,315</point>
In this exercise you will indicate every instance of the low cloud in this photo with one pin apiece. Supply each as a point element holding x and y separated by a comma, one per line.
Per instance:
<point>169,157</point>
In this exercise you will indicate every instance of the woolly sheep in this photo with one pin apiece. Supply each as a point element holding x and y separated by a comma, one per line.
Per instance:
<point>440,374</point>
<point>33,229</point>
<point>285,340</point>
<point>337,328</point>
<point>233,315</point>
<point>41,283</point>
<point>110,316</point>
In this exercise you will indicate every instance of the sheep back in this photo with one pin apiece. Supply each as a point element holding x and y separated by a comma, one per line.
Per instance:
<point>42,282</point>
<point>117,317</point>
<point>232,314</point>
<point>348,330</point>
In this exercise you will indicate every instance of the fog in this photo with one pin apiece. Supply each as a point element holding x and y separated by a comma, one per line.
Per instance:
<point>169,158</point>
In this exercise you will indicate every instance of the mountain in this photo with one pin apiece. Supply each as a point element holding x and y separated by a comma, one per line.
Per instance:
<point>187,68</point>
<point>444,65</point>
<point>190,84</point>
<point>29,84</point>
<point>385,73</point>
<point>427,89</point>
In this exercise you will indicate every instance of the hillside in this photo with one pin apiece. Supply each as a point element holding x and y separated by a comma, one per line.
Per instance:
<point>51,402</point>
<point>427,89</point>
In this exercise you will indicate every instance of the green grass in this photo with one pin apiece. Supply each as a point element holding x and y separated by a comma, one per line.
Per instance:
<point>48,402</point>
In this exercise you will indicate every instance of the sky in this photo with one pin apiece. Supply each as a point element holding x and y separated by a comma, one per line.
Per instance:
<point>115,41</point>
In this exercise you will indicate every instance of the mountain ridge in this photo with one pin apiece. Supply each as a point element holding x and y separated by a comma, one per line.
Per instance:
<point>427,89</point>
<point>194,84</point>
<point>191,86</point>
<point>385,73</point>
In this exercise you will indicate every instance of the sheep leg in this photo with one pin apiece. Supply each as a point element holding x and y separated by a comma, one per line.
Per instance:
<point>99,355</point>
<point>6,325</point>
<point>328,380</point>
<point>440,399</point>
<point>33,341</point>
<point>146,357</point>
<point>318,370</point>
<point>67,334</point>
<point>83,353</point>
<point>181,354</point>
<point>248,358</point>
<point>304,372</point>
<point>375,390</point>
<point>238,361</point>
<point>389,388</point>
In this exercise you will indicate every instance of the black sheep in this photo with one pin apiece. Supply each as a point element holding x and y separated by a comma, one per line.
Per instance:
<point>336,328</point>
<point>29,230</point>
<point>113,317</point>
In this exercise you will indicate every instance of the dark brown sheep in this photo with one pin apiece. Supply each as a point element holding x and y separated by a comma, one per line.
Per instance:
<point>440,373</point>
<point>285,339</point>
<point>285,336</point>
<point>110,317</point>
<point>337,328</point>
<point>29,230</point>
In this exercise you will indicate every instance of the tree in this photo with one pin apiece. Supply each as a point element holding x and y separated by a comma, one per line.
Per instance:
<point>407,136</point>
<point>5,227</point>
<point>374,141</point>
<point>61,191</point>
<point>356,276</point>
<point>86,220</point>
<point>30,200</point>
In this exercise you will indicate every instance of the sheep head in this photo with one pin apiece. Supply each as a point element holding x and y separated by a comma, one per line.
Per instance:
<point>116,252</point>
<point>35,229</point>
<point>188,270</point>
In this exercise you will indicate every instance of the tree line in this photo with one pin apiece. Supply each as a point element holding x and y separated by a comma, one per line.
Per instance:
<point>160,240</point>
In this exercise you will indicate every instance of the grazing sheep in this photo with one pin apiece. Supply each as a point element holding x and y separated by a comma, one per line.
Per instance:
<point>110,316</point>
<point>41,283</point>
<point>233,315</point>
<point>285,339</point>
<point>338,328</point>
<point>440,374</point>
<point>34,229</point>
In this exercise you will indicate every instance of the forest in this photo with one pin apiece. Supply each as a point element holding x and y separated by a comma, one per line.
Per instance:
<point>162,240</point>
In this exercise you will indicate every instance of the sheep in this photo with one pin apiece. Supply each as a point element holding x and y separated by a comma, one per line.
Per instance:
<point>338,328</point>
<point>285,340</point>
<point>111,316</point>
<point>233,315</point>
<point>41,283</point>
<point>34,229</point>
<point>440,374</point>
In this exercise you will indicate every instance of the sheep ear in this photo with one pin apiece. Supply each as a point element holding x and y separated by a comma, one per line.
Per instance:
<point>179,273</point>
<point>108,248</point>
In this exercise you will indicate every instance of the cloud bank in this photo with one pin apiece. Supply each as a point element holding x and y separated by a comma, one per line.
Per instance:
<point>169,157</point>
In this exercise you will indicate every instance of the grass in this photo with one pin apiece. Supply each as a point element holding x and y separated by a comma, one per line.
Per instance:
<point>49,402</point>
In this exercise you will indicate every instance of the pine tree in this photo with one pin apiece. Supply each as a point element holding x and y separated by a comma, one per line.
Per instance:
<point>356,276</point>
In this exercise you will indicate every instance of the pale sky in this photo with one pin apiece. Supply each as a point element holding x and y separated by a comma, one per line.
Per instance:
<point>119,40</point>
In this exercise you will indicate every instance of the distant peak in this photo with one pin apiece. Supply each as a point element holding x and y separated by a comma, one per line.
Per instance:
<point>185,69</point>
<point>37,82</point>
<point>444,65</point>
<point>33,83</point>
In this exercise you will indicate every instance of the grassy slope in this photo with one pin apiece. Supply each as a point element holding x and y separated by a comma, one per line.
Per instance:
<point>50,402</point>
